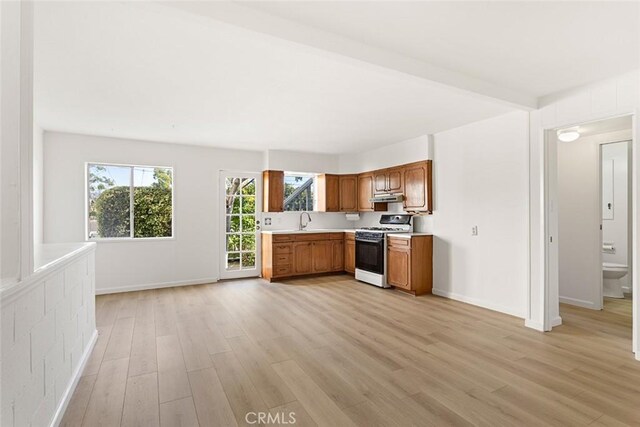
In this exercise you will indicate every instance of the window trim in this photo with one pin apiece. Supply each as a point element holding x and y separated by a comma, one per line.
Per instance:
<point>131,203</point>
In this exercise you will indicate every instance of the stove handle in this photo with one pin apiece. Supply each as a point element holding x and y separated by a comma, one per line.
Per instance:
<point>369,241</point>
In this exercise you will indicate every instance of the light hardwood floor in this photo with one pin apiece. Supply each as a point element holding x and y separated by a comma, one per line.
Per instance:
<point>337,352</point>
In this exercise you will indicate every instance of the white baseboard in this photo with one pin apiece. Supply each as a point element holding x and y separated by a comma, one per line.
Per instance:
<point>534,325</point>
<point>626,289</point>
<point>478,302</point>
<point>556,322</point>
<point>147,286</point>
<point>580,303</point>
<point>68,393</point>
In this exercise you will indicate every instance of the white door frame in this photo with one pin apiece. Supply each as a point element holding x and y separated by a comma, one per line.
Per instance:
<point>550,258</point>
<point>237,274</point>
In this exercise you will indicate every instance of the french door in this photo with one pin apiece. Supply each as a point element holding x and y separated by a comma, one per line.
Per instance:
<point>241,206</point>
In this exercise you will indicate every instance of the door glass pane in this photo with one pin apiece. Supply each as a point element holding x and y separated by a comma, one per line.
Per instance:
<point>248,242</point>
<point>233,261</point>
<point>248,223</point>
<point>248,187</point>
<point>233,223</point>
<point>233,242</point>
<point>248,204</point>
<point>248,260</point>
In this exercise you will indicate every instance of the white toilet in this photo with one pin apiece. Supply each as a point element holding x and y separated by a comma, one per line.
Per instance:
<point>611,274</point>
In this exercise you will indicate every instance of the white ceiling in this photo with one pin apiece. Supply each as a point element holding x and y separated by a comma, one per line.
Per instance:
<point>145,71</point>
<point>535,47</point>
<point>149,71</point>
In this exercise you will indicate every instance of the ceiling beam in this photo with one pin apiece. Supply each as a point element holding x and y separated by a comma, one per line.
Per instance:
<point>348,49</point>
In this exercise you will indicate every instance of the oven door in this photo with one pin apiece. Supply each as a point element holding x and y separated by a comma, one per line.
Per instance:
<point>370,255</point>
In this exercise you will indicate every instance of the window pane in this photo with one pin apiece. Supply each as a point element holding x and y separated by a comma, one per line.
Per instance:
<point>249,187</point>
<point>233,223</point>
<point>109,201</point>
<point>152,201</point>
<point>248,242</point>
<point>232,189</point>
<point>249,204</point>
<point>248,260</point>
<point>248,223</point>
<point>299,192</point>
<point>233,242</point>
<point>233,261</point>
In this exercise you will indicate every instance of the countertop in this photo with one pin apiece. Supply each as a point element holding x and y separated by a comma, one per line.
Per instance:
<point>311,231</point>
<point>408,235</point>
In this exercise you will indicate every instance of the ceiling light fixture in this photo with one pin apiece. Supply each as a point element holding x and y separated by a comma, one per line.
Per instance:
<point>568,135</point>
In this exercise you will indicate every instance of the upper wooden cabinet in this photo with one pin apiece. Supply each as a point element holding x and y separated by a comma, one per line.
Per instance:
<point>388,180</point>
<point>365,192</point>
<point>348,193</point>
<point>418,186</point>
<point>273,191</point>
<point>329,193</point>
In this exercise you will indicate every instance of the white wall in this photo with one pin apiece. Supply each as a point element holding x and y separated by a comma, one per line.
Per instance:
<point>617,230</point>
<point>48,332</point>
<point>411,150</point>
<point>191,256</point>
<point>294,161</point>
<point>481,180</point>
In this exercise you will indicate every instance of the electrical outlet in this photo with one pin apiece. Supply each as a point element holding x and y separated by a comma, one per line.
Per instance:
<point>474,230</point>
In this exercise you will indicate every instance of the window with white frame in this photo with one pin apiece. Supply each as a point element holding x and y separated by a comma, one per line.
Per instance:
<point>299,191</point>
<point>129,202</point>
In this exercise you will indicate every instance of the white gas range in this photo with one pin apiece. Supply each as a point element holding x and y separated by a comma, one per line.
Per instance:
<point>371,248</point>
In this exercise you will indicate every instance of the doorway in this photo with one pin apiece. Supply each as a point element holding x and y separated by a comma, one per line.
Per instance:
<point>589,212</point>
<point>241,201</point>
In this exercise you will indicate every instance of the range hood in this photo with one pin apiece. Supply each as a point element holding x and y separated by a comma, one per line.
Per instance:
<point>387,198</point>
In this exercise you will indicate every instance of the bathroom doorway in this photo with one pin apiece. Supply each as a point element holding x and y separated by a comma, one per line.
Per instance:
<point>594,222</point>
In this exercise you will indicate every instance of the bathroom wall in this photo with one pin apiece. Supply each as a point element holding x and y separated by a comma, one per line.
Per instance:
<point>579,219</point>
<point>616,229</point>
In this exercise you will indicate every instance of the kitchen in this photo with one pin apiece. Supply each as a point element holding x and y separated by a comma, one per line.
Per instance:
<point>386,255</point>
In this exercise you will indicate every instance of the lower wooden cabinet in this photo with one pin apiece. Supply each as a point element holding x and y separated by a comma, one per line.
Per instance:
<point>350,253</point>
<point>337,255</point>
<point>288,255</point>
<point>302,257</point>
<point>322,257</point>
<point>410,263</point>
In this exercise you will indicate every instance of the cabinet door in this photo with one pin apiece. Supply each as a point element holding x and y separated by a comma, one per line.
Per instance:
<point>394,181</point>
<point>399,267</point>
<point>350,256</point>
<point>273,191</point>
<point>365,192</point>
<point>348,193</point>
<point>302,258</point>
<point>328,193</point>
<point>415,187</point>
<point>337,255</point>
<point>380,181</point>
<point>321,256</point>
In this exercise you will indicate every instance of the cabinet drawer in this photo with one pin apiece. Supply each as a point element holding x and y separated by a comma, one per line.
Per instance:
<point>282,248</point>
<point>350,236</point>
<point>282,270</point>
<point>281,259</point>
<point>336,236</point>
<point>310,237</point>
<point>282,238</point>
<point>400,242</point>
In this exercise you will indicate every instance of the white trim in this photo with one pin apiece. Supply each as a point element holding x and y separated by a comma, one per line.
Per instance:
<point>556,321</point>
<point>533,325</point>
<point>580,303</point>
<point>68,393</point>
<point>480,303</point>
<point>132,288</point>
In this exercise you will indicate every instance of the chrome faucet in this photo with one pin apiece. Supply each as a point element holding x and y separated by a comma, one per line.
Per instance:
<point>304,227</point>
